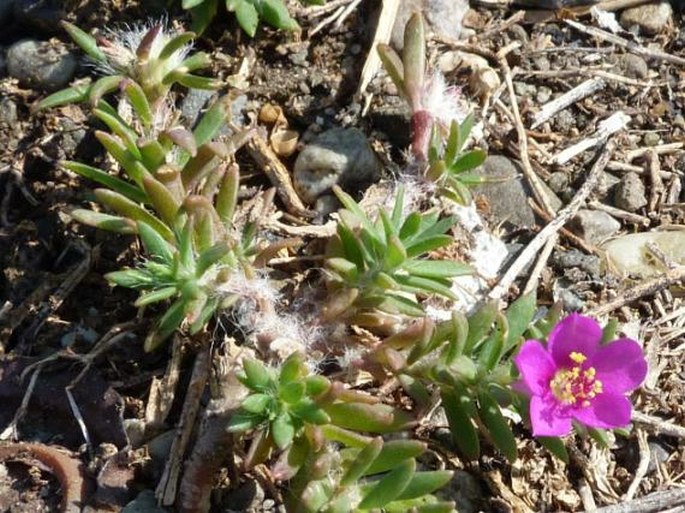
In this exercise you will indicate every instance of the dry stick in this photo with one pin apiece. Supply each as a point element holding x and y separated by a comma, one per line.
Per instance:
<point>590,72</point>
<point>628,45</point>
<point>575,239</point>
<point>531,176</point>
<point>621,214</point>
<point>659,426</point>
<point>501,27</point>
<point>168,484</point>
<point>659,502</point>
<point>657,188</point>
<point>642,467</point>
<point>662,149</point>
<point>646,288</point>
<point>605,128</point>
<point>622,167</point>
<point>383,32</point>
<point>568,98</point>
<point>555,225</point>
<point>540,264</point>
<point>618,5</point>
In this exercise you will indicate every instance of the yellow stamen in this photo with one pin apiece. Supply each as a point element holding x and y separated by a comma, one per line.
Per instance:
<point>577,357</point>
<point>576,384</point>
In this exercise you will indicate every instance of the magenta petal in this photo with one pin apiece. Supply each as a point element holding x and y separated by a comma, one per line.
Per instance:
<point>535,366</point>
<point>607,411</point>
<point>620,366</point>
<point>575,333</point>
<point>547,418</point>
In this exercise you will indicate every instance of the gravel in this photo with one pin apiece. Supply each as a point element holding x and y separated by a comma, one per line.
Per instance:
<point>42,65</point>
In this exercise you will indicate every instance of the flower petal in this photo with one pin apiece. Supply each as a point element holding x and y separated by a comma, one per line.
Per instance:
<point>607,411</point>
<point>536,367</point>
<point>547,418</point>
<point>575,333</point>
<point>620,366</point>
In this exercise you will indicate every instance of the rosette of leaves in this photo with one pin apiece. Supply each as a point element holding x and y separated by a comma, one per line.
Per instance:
<point>381,265</point>
<point>248,13</point>
<point>450,167</point>
<point>469,360</point>
<point>366,474</point>
<point>152,57</point>
<point>283,402</point>
<point>330,464</point>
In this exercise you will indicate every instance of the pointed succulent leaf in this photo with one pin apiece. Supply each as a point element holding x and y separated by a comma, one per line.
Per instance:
<point>480,324</point>
<point>198,82</point>
<point>419,284</point>
<point>374,418</point>
<point>310,412</point>
<point>497,426</point>
<point>162,199</point>
<point>74,94</point>
<point>317,385</point>
<point>291,392</point>
<point>457,340</point>
<point>167,325</point>
<point>464,433</point>
<point>519,316</point>
<point>492,348</point>
<point>181,138</point>
<point>87,42</point>
<point>292,369</point>
<point>103,86</point>
<point>103,178</point>
<point>437,268</point>
<point>199,166</point>
<point>608,332</point>
<point>138,100</point>
<point>393,453</point>
<point>452,147</point>
<point>177,42</point>
<point>213,120</point>
<point>203,14</point>
<point>389,487</point>
<point>275,13</point>
<point>155,296</point>
<point>352,246</point>
<point>155,245</point>
<point>393,66</point>
<point>356,210</point>
<point>134,168</point>
<point>127,208</point>
<point>555,446</point>
<point>152,153</point>
<point>394,303</point>
<point>425,245</point>
<point>396,254</point>
<point>464,131</point>
<point>131,278</point>
<point>411,226</point>
<point>247,16</point>
<point>117,125</point>
<point>283,430</point>
<point>104,221</point>
<point>256,403</point>
<point>189,4</point>
<point>423,483</point>
<point>202,318</point>
<point>243,421</point>
<point>414,59</point>
<point>257,376</point>
<point>358,468</point>
<point>468,160</point>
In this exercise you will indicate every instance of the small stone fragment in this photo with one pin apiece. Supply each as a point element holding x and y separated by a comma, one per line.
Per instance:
<point>651,19</point>
<point>595,225</point>
<point>508,192</point>
<point>630,193</point>
<point>339,156</point>
<point>574,258</point>
<point>633,66</point>
<point>443,17</point>
<point>41,64</point>
<point>558,181</point>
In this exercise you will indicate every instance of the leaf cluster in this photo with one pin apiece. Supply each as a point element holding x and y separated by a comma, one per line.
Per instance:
<point>248,13</point>
<point>381,265</point>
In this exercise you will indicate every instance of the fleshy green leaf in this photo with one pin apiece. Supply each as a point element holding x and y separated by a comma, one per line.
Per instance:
<point>497,426</point>
<point>103,178</point>
<point>389,487</point>
<point>393,453</point>
<point>104,221</point>
<point>423,483</point>
<point>282,430</point>
<point>74,94</point>
<point>362,462</point>
<point>257,376</point>
<point>87,42</point>
<point>155,296</point>
<point>155,245</point>
<point>464,433</point>
<point>247,17</point>
<point>437,268</point>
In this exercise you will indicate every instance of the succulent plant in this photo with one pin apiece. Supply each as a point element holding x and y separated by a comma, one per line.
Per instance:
<point>379,265</point>
<point>248,13</point>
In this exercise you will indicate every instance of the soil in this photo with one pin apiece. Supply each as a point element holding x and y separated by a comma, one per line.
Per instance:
<point>54,299</point>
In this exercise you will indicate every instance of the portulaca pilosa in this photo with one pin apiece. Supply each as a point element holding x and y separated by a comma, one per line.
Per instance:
<point>576,377</point>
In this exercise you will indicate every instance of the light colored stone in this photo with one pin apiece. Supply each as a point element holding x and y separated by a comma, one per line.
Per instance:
<point>595,225</point>
<point>651,19</point>
<point>443,17</point>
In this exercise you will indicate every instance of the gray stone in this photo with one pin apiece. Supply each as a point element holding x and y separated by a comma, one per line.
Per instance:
<point>562,291</point>
<point>339,156</point>
<point>657,455</point>
<point>543,95</point>
<point>8,112</point>
<point>651,19</point>
<point>508,192</point>
<point>524,89</point>
<point>651,139</point>
<point>575,259</point>
<point>564,121</point>
<point>465,490</point>
<point>558,181</point>
<point>630,193</point>
<point>595,225</point>
<point>41,65</point>
<point>145,502</point>
<point>633,66</point>
<point>443,18</point>
<point>197,101</point>
<point>607,184</point>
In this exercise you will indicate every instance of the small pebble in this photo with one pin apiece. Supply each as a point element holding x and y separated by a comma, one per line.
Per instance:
<point>630,193</point>
<point>543,95</point>
<point>443,17</point>
<point>633,66</point>
<point>564,121</point>
<point>524,89</point>
<point>341,156</point>
<point>595,225</point>
<point>651,139</point>
<point>8,112</point>
<point>651,19</point>
<point>558,181</point>
<point>41,64</point>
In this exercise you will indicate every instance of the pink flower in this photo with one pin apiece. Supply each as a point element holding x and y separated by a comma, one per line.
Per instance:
<point>575,377</point>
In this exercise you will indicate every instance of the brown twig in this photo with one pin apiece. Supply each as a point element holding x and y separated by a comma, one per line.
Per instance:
<point>572,237</point>
<point>672,501</point>
<point>646,288</point>
<point>555,225</point>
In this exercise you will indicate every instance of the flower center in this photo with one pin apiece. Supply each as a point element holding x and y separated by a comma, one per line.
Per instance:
<point>576,385</point>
